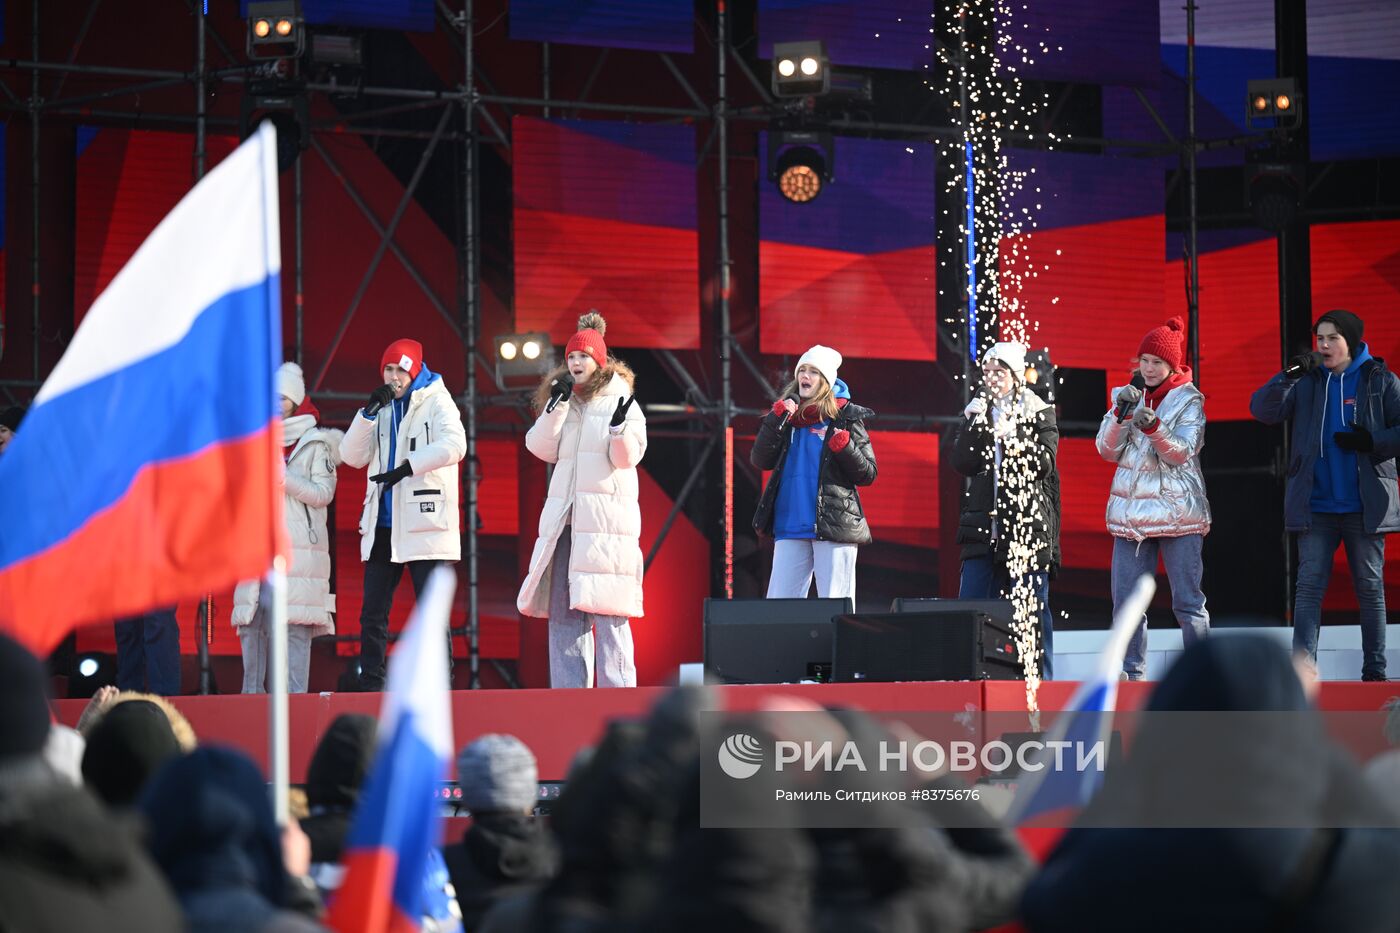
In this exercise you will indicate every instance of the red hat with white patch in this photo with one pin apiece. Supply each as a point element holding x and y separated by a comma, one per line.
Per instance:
<point>406,354</point>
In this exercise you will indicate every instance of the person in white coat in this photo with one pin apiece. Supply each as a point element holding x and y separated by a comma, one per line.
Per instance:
<point>586,570</point>
<point>1157,503</point>
<point>410,436</point>
<point>312,454</point>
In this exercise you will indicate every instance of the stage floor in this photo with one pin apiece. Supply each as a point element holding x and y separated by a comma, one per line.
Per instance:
<point>557,723</point>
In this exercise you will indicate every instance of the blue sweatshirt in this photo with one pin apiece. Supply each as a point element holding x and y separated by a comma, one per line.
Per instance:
<point>1336,486</point>
<point>795,509</point>
<point>397,408</point>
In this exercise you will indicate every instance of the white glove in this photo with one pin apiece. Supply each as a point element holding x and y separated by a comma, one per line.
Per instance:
<point>978,406</point>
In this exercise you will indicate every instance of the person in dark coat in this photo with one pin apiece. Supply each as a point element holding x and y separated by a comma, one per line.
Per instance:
<point>1274,771</point>
<point>816,444</point>
<point>125,748</point>
<point>506,851</point>
<point>65,862</point>
<point>1009,524</point>
<point>333,779</point>
<point>213,834</point>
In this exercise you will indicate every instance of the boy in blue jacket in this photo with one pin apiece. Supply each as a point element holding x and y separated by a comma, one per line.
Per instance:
<point>1344,408</point>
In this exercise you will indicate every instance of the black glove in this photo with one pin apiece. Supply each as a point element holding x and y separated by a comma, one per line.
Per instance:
<point>379,398</point>
<point>1358,439</point>
<point>1302,364</point>
<point>621,414</point>
<point>402,471</point>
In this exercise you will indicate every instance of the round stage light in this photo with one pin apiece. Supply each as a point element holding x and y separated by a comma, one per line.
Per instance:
<point>508,350</point>
<point>799,183</point>
<point>787,68</point>
<point>1283,103</point>
<point>262,28</point>
<point>809,66</point>
<point>1260,103</point>
<point>531,349</point>
<point>284,27</point>
<point>87,667</point>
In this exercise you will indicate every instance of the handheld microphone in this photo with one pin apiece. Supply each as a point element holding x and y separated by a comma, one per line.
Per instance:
<point>1125,407</point>
<point>372,409</point>
<point>796,400</point>
<point>559,389</point>
<point>1303,363</point>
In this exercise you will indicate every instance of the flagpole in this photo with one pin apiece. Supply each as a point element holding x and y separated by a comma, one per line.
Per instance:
<point>277,691</point>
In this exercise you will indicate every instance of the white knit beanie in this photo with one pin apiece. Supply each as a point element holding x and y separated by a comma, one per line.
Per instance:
<point>824,360</point>
<point>291,384</point>
<point>1010,354</point>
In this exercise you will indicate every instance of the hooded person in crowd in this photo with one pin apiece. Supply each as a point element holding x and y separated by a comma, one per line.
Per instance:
<point>1009,523</point>
<point>1257,771</point>
<point>213,834</point>
<point>1157,503</point>
<point>815,442</point>
<point>1343,405</point>
<point>9,425</point>
<point>65,863</point>
<point>506,851</point>
<point>107,699</point>
<point>311,454</point>
<point>333,781</point>
<point>585,571</point>
<point>410,436</point>
<point>131,743</point>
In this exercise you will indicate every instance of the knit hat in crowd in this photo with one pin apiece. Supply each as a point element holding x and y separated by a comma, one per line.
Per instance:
<point>1167,342</point>
<point>498,772</point>
<point>12,416</point>
<point>823,359</point>
<point>589,338</point>
<point>291,384</point>
<point>24,707</point>
<point>129,745</point>
<point>1010,354</point>
<point>406,354</point>
<point>1348,325</point>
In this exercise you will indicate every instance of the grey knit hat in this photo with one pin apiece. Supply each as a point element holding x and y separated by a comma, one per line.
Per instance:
<point>498,772</point>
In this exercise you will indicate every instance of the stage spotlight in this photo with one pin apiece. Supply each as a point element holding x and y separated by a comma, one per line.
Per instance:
<point>90,672</point>
<point>275,29</point>
<point>800,163</point>
<point>800,69</point>
<point>521,359</point>
<point>1275,100</point>
<point>1273,190</point>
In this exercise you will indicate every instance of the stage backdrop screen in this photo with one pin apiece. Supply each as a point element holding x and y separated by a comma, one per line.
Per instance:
<point>655,25</point>
<point>864,33</point>
<point>605,218</point>
<point>855,267</point>
<point>417,15</point>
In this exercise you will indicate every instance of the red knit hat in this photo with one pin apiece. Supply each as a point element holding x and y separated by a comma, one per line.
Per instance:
<point>404,353</point>
<point>589,338</point>
<point>1168,342</point>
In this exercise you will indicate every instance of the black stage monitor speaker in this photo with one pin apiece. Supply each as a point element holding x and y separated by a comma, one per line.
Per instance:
<point>1000,610</point>
<point>963,644</point>
<point>770,641</point>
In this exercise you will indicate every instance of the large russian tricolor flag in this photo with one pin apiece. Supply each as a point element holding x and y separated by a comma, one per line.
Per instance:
<point>395,825</point>
<point>147,469</point>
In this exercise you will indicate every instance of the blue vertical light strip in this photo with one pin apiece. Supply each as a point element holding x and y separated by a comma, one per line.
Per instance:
<point>969,186</point>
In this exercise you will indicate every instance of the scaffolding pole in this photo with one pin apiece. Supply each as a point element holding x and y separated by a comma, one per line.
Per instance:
<point>470,295</point>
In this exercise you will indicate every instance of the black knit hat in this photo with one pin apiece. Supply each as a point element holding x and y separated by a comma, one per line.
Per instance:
<point>126,747</point>
<point>12,416</point>
<point>24,706</point>
<point>1348,325</point>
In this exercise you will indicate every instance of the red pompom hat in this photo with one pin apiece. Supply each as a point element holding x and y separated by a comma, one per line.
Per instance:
<point>1168,342</point>
<point>589,339</point>
<point>405,353</point>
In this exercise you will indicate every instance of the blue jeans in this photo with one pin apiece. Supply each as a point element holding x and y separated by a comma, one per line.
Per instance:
<point>985,578</point>
<point>148,650</point>
<point>1366,557</point>
<point>1182,558</point>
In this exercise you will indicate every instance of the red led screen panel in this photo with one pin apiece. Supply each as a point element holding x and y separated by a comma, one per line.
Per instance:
<point>902,505</point>
<point>605,218</point>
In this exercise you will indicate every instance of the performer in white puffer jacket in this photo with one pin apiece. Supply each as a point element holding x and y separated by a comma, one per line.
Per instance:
<point>586,570</point>
<point>312,455</point>
<point>410,436</point>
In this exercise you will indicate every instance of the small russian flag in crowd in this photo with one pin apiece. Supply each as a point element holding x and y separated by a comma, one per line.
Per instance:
<point>147,470</point>
<point>395,827</point>
<point>1057,793</point>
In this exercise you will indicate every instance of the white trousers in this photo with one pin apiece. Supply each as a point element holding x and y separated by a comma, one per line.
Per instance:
<point>795,560</point>
<point>577,638</point>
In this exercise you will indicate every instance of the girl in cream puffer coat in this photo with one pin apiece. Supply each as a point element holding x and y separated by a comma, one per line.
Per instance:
<point>312,453</point>
<point>586,569</point>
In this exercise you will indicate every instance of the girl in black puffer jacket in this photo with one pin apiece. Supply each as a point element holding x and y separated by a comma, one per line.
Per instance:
<point>816,444</point>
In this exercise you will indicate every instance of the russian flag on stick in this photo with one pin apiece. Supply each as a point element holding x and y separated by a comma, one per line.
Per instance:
<point>395,825</point>
<point>147,470</point>
<point>1088,718</point>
